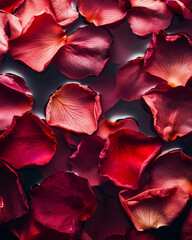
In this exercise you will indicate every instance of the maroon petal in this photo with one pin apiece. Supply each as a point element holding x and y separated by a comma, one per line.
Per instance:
<point>75,108</point>
<point>10,5</point>
<point>27,142</point>
<point>133,81</point>
<point>101,12</point>
<point>181,7</point>
<point>85,160</point>
<point>15,99</point>
<point>85,53</point>
<point>171,109</point>
<point>155,207</point>
<point>175,67</point>
<point>125,155</point>
<point>62,201</point>
<point>186,231</point>
<point>146,16</point>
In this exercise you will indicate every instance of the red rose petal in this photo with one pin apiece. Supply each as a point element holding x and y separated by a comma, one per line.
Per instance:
<point>155,207</point>
<point>15,99</point>
<point>75,108</point>
<point>15,26</point>
<point>181,6</point>
<point>125,155</point>
<point>10,5</point>
<point>175,67</point>
<point>186,231</point>
<point>85,52</point>
<point>3,36</point>
<point>62,201</point>
<point>27,142</point>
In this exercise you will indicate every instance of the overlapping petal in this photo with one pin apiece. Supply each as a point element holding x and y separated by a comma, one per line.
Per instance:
<point>10,5</point>
<point>181,7</point>
<point>125,155</point>
<point>62,201</point>
<point>27,142</point>
<point>74,107</point>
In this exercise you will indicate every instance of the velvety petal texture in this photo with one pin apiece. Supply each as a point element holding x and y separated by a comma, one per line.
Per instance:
<point>10,5</point>
<point>169,57</point>
<point>62,201</point>
<point>171,109</point>
<point>27,142</point>
<point>181,7</point>
<point>74,107</point>
<point>154,208</point>
<point>15,99</point>
<point>125,155</point>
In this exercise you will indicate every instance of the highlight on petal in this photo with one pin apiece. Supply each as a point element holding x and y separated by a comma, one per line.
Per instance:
<point>171,109</point>
<point>85,53</point>
<point>85,160</point>
<point>15,27</point>
<point>74,107</point>
<point>101,12</point>
<point>27,142</point>
<point>13,202</point>
<point>146,16</point>
<point>169,57</point>
<point>133,81</point>
<point>62,202</point>
<point>37,46</point>
<point>15,99</point>
<point>10,5</point>
<point>154,208</point>
<point>3,35</point>
<point>125,155</point>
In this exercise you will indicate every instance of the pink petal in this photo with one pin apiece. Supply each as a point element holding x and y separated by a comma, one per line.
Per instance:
<point>15,99</point>
<point>125,155</point>
<point>62,201</point>
<point>74,107</point>
<point>175,67</point>
<point>15,26</point>
<point>27,142</point>
<point>146,16</point>
<point>3,35</point>
<point>85,53</point>
<point>181,6</point>
<point>10,5</point>
<point>37,46</point>
<point>154,208</point>
<point>101,12</point>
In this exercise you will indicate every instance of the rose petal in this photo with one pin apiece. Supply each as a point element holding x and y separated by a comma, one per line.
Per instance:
<point>146,16</point>
<point>62,201</point>
<point>186,231</point>
<point>133,81</point>
<point>27,142</point>
<point>175,67</point>
<point>171,109</point>
<point>155,207</point>
<point>15,26</point>
<point>15,99</point>
<point>125,155</point>
<point>10,5</point>
<point>181,6</point>
<point>85,53</point>
<point>3,35</point>
<point>75,108</point>
<point>101,12</point>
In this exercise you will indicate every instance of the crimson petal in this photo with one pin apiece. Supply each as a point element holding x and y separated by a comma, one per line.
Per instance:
<point>10,5</point>
<point>181,6</point>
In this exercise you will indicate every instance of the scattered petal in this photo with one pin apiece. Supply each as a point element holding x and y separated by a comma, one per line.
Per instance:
<point>181,6</point>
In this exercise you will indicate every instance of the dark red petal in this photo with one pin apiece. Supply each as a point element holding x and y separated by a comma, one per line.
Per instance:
<point>181,6</point>
<point>10,5</point>
<point>175,67</point>
<point>27,142</point>
<point>62,201</point>
<point>133,81</point>
<point>13,200</point>
<point>146,16</point>
<point>37,46</point>
<point>101,12</point>
<point>74,107</point>
<point>186,231</point>
<point>171,109</point>
<point>125,155</point>
<point>85,53</point>
<point>154,208</point>
<point>85,160</point>
<point>15,99</point>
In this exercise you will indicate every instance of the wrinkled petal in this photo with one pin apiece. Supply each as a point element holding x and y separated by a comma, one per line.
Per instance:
<point>10,5</point>
<point>154,208</point>
<point>85,160</point>
<point>133,81</point>
<point>146,16</point>
<point>85,53</point>
<point>74,107</point>
<point>37,46</point>
<point>15,99</point>
<point>125,155</point>
<point>171,109</point>
<point>181,7</point>
<point>27,142</point>
<point>169,57</point>
<point>62,201</point>
<point>101,12</point>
